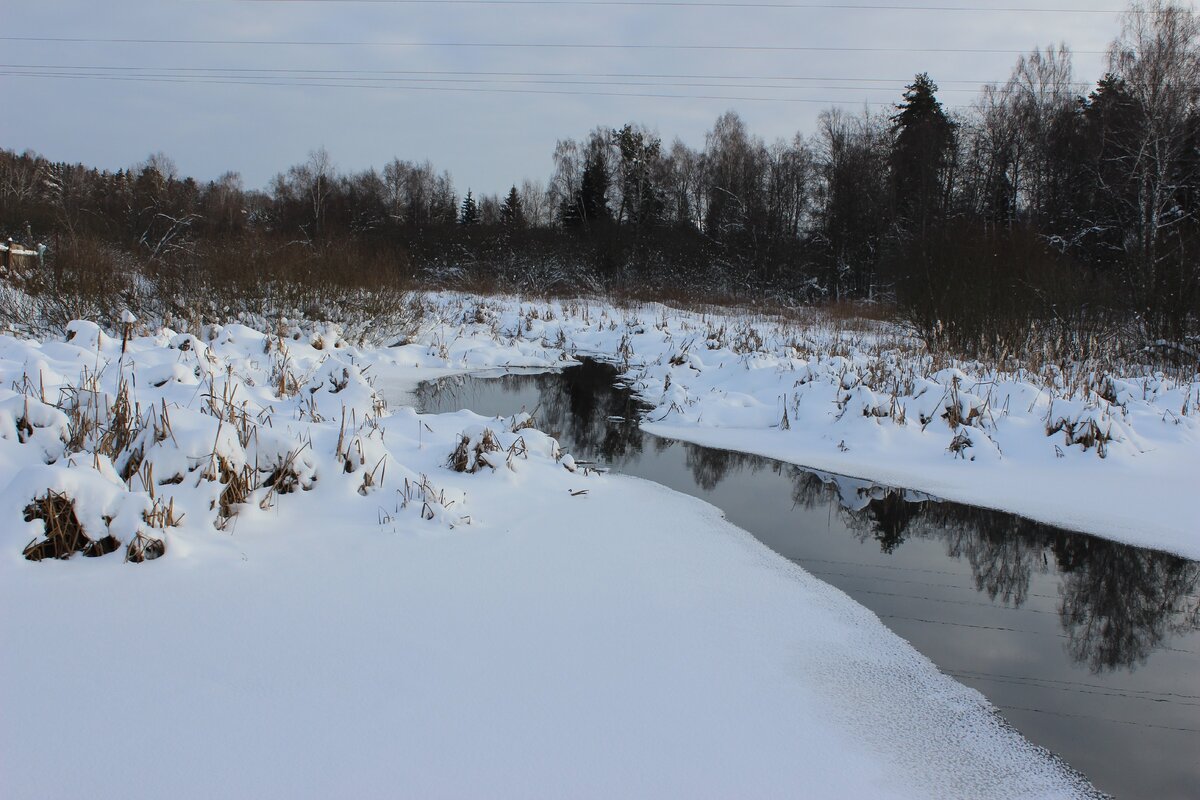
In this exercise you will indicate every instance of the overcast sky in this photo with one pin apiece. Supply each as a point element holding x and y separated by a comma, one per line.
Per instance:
<point>487,139</point>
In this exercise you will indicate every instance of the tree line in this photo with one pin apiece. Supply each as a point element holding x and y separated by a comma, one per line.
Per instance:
<point>1038,204</point>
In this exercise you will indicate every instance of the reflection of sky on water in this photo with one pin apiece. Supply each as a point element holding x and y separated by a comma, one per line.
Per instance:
<point>1090,647</point>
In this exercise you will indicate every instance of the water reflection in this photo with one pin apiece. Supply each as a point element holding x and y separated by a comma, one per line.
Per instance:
<point>1117,604</point>
<point>709,467</point>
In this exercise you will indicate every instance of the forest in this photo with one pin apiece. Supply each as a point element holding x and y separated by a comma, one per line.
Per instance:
<point>1047,209</point>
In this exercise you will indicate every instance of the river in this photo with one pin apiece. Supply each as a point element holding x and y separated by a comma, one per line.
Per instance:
<point>1089,647</point>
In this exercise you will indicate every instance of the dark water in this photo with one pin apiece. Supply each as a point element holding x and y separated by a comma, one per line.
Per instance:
<point>1091,648</point>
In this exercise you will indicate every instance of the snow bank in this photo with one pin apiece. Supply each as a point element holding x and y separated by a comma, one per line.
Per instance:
<point>174,435</point>
<point>336,610</point>
<point>1115,455</point>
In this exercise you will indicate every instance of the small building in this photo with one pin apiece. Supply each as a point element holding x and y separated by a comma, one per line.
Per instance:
<point>16,256</point>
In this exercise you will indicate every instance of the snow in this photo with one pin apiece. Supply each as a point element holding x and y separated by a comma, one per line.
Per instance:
<point>364,621</point>
<point>551,651</point>
<point>1114,455</point>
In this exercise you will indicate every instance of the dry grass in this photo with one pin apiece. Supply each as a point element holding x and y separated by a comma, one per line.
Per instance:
<point>145,548</point>
<point>424,492</point>
<point>471,456</point>
<point>238,483</point>
<point>367,289</point>
<point>64,535</point>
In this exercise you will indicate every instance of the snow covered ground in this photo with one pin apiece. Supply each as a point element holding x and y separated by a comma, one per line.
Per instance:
<point>1112,454</point>
<point>325,607</point>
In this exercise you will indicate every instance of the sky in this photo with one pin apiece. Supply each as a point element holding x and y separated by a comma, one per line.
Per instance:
<point>373,80</point>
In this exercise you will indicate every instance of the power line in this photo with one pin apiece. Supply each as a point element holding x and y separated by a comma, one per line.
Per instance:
<point>1101,719</point>
<point>1048,684</point>
<point>292,76</point>
<point>399,87</point>
<point>510,81</point>
<point>955,586</point>
<point>284,81</point>
<point>954,602</point>
<point>498,73</point>
<point>702,4</point>
<point>523,45</point>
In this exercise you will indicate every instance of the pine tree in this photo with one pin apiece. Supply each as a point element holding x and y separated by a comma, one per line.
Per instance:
<point>511,212</point>
<point>589,206</point>
<point>640,200</point>
<point>469,215</point>
<point>921,155</point>
<point>593,190</point>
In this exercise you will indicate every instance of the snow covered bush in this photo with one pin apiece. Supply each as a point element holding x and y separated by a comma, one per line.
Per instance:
<point>160,437</point>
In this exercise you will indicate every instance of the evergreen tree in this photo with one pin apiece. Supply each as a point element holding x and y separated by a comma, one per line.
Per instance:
<point>640,199</point>
<point>569,212</point>
<point>922,155</point>
<point>593,189</point>
<point>1108,202</point>
<point>469,215</point>
<point>590,203</point>
<point>511,212</point>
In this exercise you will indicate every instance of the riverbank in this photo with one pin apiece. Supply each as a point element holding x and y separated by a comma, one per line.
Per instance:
<point>335,596</point>
<point>1113,453</point>
<point>1088,647</point>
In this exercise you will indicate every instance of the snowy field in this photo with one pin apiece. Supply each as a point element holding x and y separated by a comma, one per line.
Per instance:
<point>337,597</point>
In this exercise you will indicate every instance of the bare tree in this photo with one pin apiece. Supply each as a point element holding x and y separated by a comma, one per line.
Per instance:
<point>21,177</point>
<point>320,173</point>
<point>1039,94</point>
<point>736,168</point>
<point>990,155</point>
<point>568,173</point>
<point>416,194</point>
<point>1157,60</point>
<point>224,203</point>
<point>535,204</point>
<point>163,164</point>
<point>684,185</point>
<point>489,209</point>
<point>854,210</point>
<point>791,177</point>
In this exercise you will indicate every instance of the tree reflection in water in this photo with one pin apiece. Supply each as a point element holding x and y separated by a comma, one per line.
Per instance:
<point>710,466</point>
<point>579,405</point>
<point>1118,604</point>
